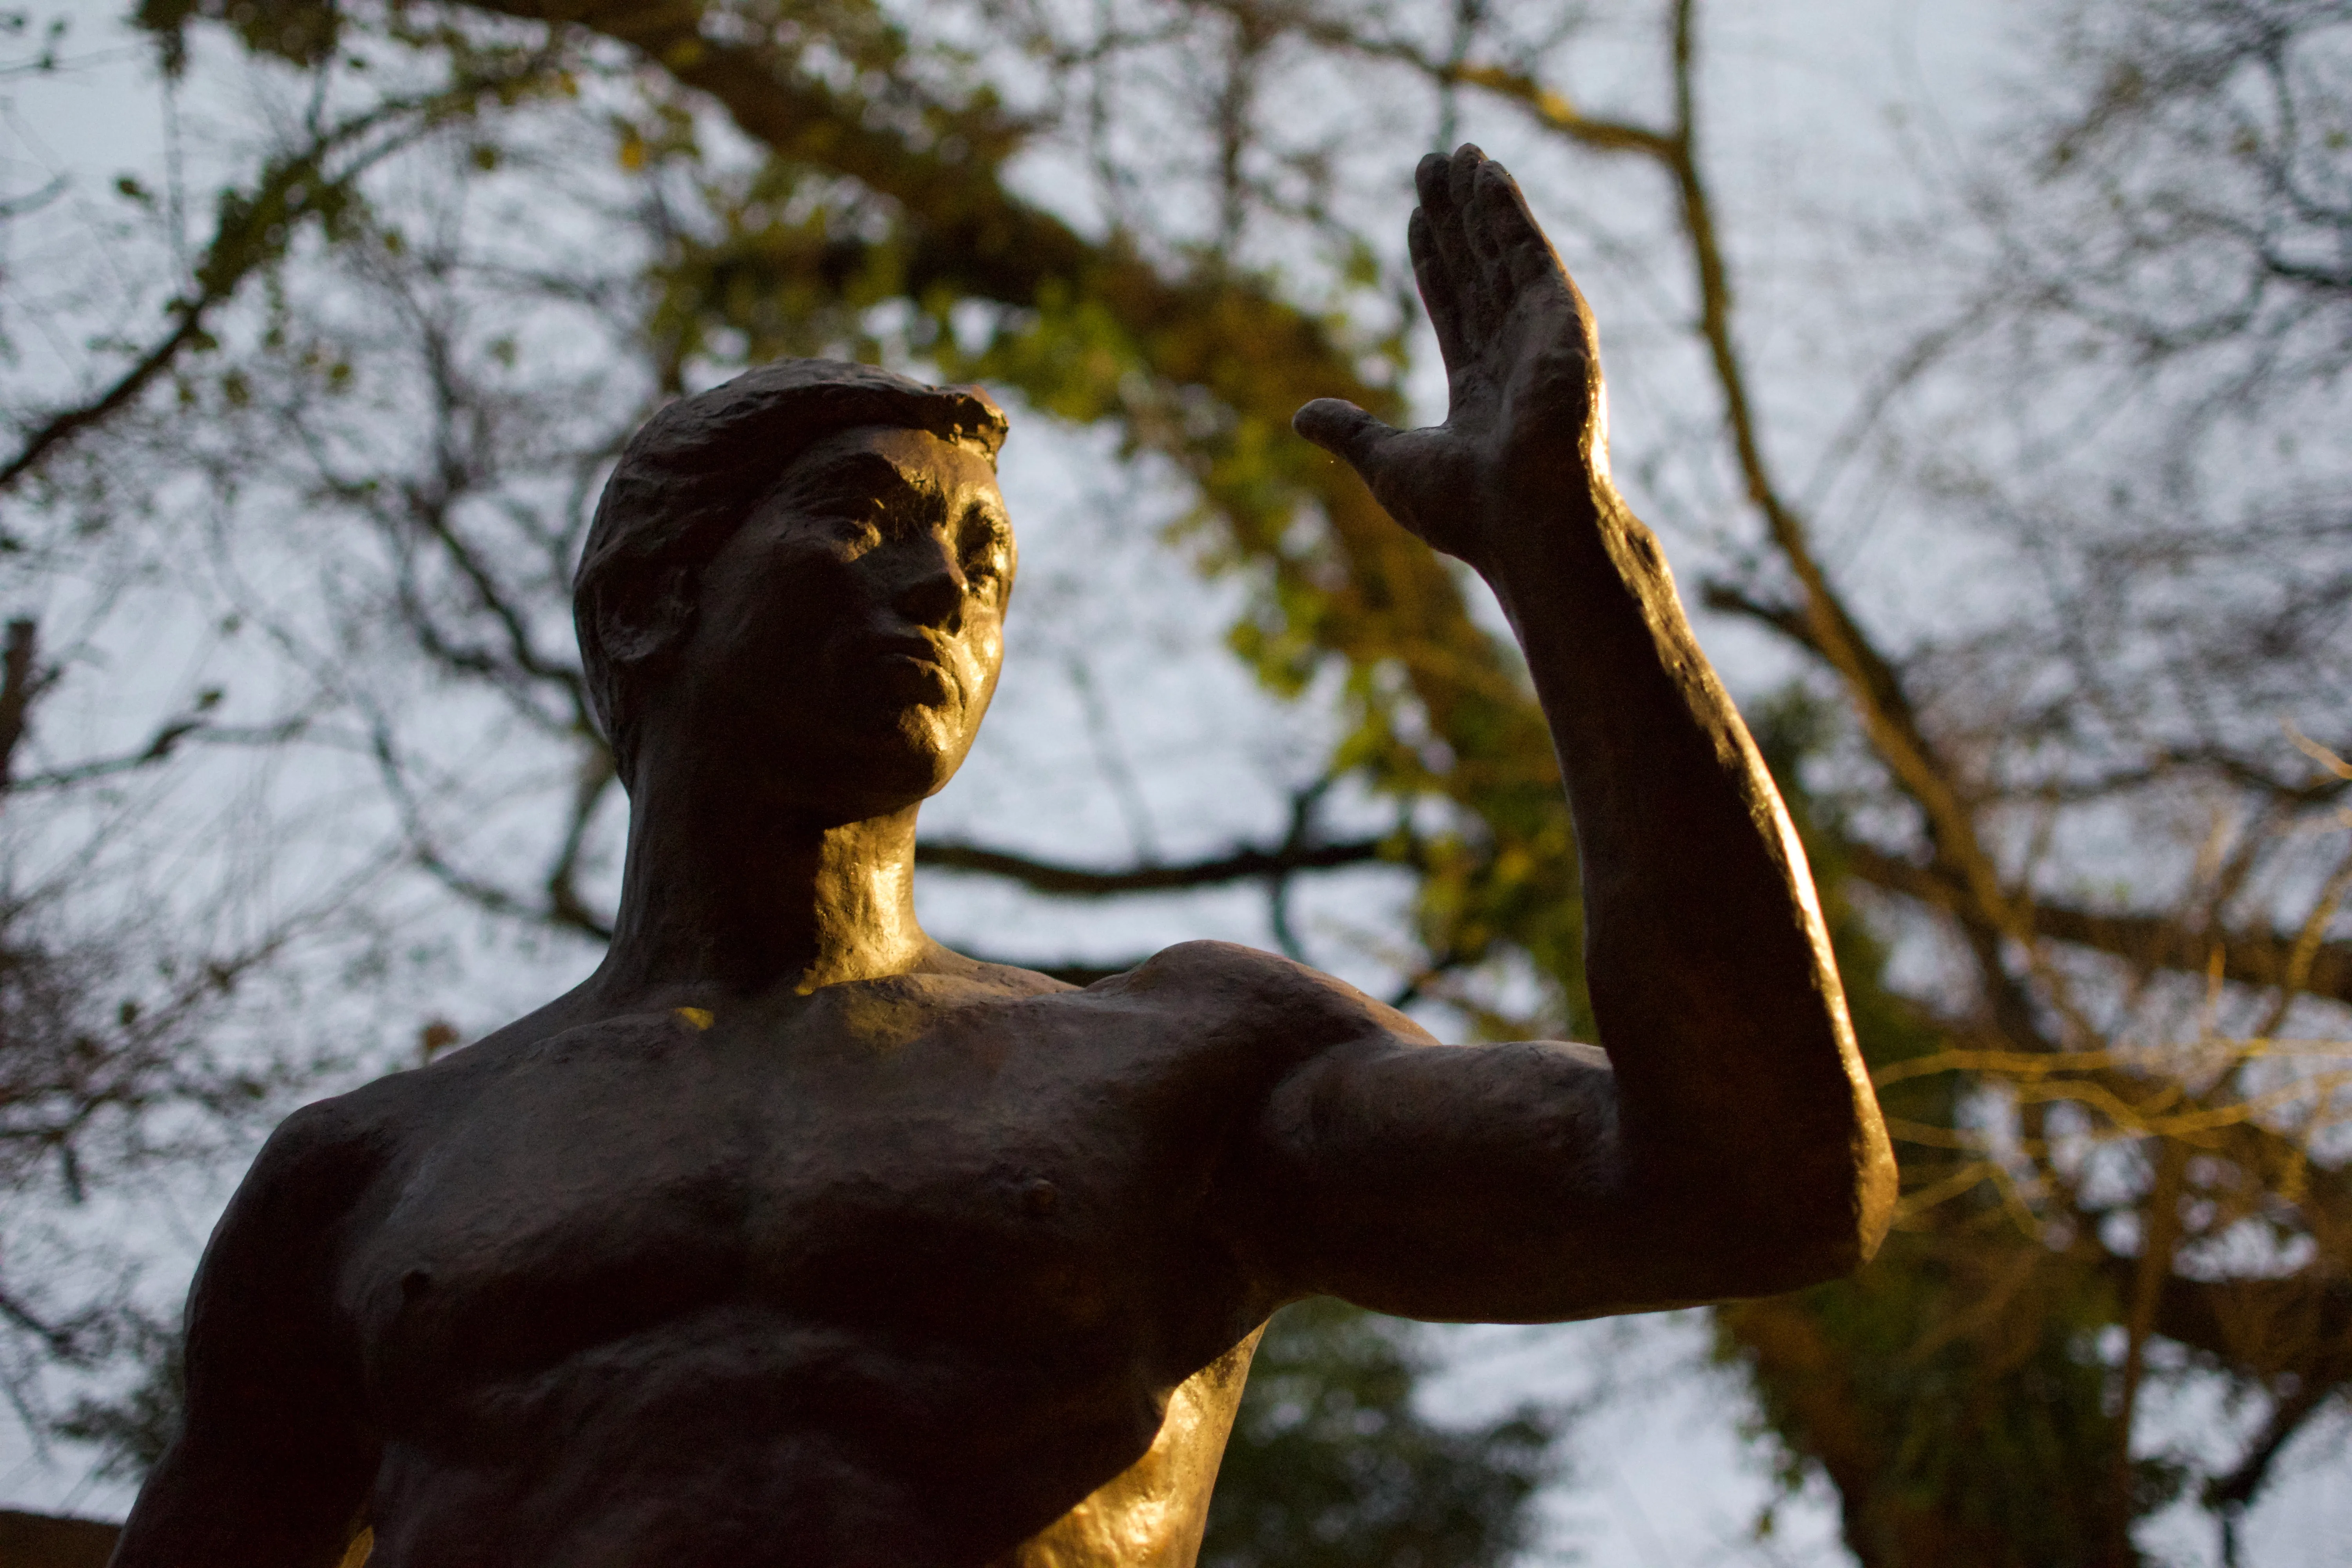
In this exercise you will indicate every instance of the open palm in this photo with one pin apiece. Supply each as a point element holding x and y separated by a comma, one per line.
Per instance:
<point>1523,419</point>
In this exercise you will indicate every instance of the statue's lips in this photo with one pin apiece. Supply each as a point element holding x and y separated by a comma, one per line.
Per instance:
<point>908,669</point>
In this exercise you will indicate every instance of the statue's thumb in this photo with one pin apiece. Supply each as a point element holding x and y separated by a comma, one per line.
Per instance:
<point>1342,429</point>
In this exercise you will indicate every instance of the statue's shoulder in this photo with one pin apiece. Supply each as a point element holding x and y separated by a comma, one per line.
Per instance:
<point>1226,984</point>
<point>1224,966</point>
<point>374,1124</point>
<point>313,1172</point>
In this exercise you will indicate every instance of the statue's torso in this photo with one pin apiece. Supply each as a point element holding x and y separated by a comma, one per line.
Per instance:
<point>903,1273</point>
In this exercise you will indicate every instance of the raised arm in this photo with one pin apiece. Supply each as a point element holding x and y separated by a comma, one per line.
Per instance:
<point>273,1463</point>
<point>1729,1145</point>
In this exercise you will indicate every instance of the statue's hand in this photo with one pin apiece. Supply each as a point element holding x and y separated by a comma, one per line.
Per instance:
<point>1525,428</point>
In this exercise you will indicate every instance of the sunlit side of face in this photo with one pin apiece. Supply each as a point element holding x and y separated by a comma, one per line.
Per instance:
<point>847,637</point>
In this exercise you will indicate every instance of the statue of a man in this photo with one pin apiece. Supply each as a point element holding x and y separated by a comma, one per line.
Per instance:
<point>790,1237</point>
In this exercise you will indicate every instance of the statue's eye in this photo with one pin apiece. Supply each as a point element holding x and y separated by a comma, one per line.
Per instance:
<point>985,560</point>
<point>859,528</point>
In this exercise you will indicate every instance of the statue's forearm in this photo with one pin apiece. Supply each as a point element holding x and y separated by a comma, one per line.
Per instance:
<point>1742,1096</point>
<point>1732,1146</point>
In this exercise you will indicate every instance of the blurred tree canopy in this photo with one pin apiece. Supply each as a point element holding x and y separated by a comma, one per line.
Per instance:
<point>2077,808</point>
<point>1329,1466</point>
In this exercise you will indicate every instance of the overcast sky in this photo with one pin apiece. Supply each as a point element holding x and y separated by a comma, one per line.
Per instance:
<point>1820,109</point>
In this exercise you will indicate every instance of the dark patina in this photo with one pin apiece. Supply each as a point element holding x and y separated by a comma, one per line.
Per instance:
<point>792,1238</point>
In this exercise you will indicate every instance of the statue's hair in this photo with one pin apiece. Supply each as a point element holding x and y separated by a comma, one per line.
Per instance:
<point>694,474</point>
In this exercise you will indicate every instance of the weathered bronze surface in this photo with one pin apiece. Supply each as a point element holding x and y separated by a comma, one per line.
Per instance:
<point>792,1238</point>
<point>38,1540</point>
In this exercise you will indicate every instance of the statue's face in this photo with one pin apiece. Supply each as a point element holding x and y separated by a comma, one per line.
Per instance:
<point>846,638</point>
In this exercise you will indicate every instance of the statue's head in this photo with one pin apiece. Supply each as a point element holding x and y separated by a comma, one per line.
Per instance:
<point>800,577</point>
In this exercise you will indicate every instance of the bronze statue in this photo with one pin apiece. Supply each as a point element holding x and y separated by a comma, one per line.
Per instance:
<point>792,1238</point>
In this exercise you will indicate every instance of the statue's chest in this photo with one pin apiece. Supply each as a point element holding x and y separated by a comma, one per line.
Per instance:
<point>994,1182</point>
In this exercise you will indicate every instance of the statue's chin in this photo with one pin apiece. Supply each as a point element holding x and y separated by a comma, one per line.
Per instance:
<point>906,760</point>
<point>883,760</point>
<point>934,733</point>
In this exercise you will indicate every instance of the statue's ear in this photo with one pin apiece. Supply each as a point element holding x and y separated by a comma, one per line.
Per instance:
<point>643,616</point>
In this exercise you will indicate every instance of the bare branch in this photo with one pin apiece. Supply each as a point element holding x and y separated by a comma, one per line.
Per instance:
<point>19,683</point>
<point>2249,956</point>
<point>1057,881</point>
<point>252,233</point>
<point>2290,1411</point>
<point>1069,973</point>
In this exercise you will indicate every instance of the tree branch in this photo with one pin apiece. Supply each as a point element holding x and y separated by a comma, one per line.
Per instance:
<point>2249,956</point>
<point>18,682</point>
<point>1547,106</point>
<point>1059,881</point>
<point>252,231</point>
<point>2290,1413</point>
<point>1068,971</point>
<point>1217,330</point>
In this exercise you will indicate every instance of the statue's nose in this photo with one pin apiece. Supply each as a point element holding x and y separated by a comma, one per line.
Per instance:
<point>930,593</point>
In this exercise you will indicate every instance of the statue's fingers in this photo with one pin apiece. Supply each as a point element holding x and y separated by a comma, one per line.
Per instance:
<point>1466,181</point>
<point>1345,431</point>
<point>1438,293</point>
<point>1492,277</point>
<point>1429,182</point>
<point>1435,181</point>
<point>1500,211</point>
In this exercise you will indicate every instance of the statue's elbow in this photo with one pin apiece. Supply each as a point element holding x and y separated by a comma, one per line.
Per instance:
<point>1837,1230</point>
<point>1876,1189</point>
<point>1780,1213</point>
<point>1795,1261</point>
<point>1834,1252</point>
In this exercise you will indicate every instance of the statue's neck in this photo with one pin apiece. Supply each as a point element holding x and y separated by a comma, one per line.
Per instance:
<point>719,902</point>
